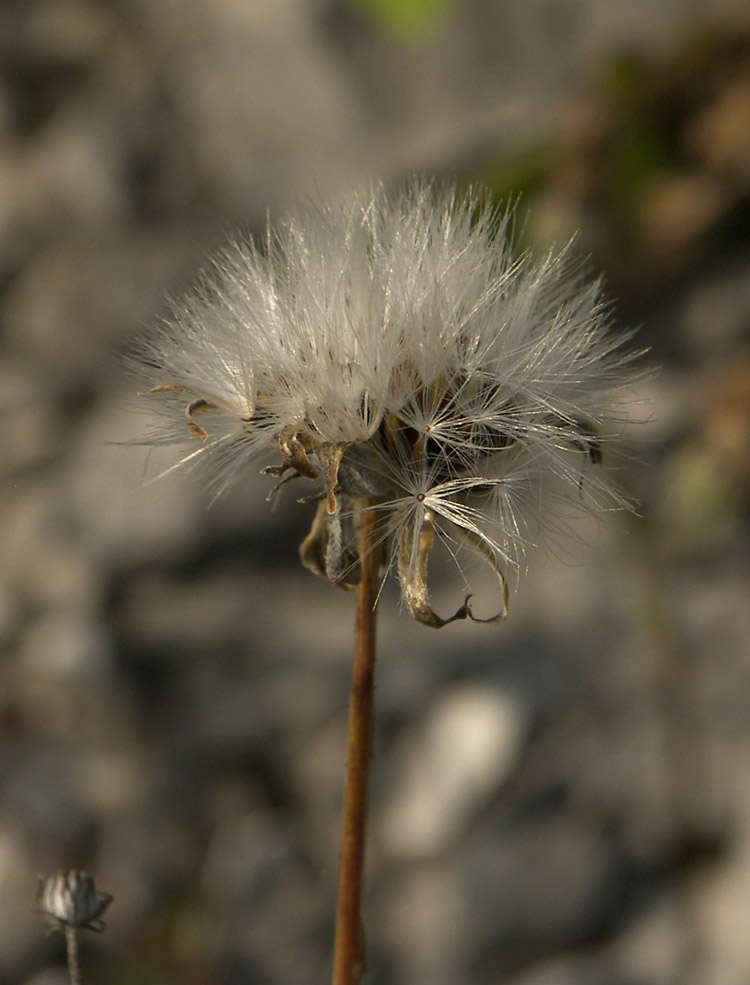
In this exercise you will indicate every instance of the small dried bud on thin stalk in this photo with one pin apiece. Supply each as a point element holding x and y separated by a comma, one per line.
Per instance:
<point>71,901</point>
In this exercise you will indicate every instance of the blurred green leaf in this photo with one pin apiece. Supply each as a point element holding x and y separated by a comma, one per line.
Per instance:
<point>519,175</point>
<point>134,971</point>
<point>405,17</point>
<point>638,152</point>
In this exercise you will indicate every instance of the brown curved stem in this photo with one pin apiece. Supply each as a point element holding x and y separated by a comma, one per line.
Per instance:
<point>349,945</point>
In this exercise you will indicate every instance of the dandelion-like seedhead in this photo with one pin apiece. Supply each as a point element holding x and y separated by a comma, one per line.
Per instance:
<point>396,355</point>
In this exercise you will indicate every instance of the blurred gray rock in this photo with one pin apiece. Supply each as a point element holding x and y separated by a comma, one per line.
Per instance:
<point>448,768</point>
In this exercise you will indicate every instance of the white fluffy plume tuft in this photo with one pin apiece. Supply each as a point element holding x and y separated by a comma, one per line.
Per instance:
<point>396,353</point>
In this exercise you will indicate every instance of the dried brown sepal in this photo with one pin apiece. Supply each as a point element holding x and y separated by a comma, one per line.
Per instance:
<point>412,572</point>
<point>193,408</point>
<point>200,403</point>
<point>477,544</point>
<point>312,550</point>
<point>330,456</point>
<point>294,453</point>
<point>323,551</point>
<point>278,472</point>
<point>337,558</point>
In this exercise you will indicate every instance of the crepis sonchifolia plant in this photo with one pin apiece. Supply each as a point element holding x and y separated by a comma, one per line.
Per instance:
<point>424,381</point>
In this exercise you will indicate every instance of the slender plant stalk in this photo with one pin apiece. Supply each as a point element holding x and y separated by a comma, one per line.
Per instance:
<point>349,945</point>
<point>74,968</point>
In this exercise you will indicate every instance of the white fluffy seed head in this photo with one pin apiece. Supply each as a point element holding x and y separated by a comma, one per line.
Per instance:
<point>451,375</point>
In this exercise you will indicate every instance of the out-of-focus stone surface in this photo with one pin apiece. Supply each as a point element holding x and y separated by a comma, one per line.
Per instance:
<point>450,767</point>
<point>558,801</point>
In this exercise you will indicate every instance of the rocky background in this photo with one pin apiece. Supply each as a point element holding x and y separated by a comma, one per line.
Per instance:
<point>563,800</point>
